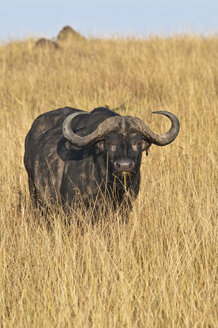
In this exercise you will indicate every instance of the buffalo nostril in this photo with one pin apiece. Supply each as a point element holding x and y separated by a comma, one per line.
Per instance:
<point>131,165</point>
<point>117,166</point>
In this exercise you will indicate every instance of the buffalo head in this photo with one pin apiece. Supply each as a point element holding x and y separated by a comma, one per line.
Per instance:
<point>121,139</point>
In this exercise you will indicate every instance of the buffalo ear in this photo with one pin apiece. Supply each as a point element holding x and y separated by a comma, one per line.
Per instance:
<point>145,146</point>
<point>99,146</point>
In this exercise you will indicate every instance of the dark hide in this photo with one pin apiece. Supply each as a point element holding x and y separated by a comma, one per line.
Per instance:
<point>58,171</point>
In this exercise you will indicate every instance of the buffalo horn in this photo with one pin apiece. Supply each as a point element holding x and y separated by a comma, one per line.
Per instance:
<point>157,139</point>
<point>118,123</point>
<point>110,124</point>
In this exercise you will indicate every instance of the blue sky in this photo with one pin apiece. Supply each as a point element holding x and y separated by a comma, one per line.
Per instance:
<point>23,18</point>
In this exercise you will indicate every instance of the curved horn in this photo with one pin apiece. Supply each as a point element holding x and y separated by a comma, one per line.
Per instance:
<point>159,140</point>
<point>67,130</point>
<point>110,124</point>
<point>118,123</point>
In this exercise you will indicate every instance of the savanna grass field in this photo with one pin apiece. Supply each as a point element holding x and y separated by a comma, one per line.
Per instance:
<point>157,270</point>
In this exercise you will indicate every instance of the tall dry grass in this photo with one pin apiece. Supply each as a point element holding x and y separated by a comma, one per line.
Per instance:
<point>159,270</point>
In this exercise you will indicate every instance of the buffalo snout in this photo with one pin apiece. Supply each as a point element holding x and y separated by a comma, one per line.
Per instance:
<point>124,165</point>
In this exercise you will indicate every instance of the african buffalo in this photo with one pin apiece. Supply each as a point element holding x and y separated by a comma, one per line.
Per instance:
<point>96,155</point>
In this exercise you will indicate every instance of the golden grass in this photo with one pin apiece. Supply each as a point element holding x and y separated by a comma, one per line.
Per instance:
<point>158,270</point>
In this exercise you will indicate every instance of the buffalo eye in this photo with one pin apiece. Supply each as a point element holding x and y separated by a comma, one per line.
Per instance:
<point>111,146</point>
<point>137,145</point>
